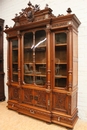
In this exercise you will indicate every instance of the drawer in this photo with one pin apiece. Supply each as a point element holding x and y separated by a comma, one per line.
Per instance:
<point>58,119</point>
<point>13,106</point>
<point>42,115</point>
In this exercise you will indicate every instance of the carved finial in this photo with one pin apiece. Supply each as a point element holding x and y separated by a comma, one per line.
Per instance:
<point>6,26</point>
<point>46,6</point>
<point>36,8</point>
<point>16,15</point>
<point>29,4</point>
<point>69,10</point>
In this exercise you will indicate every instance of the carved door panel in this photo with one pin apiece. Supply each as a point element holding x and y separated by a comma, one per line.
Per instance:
<point>40,97</point>
<point>61,102</point>
<point>27,96</point>
<point>14,93</point>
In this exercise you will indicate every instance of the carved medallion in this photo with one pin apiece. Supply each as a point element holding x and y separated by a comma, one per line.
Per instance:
<point>41,98</point>
<point>16,93</point>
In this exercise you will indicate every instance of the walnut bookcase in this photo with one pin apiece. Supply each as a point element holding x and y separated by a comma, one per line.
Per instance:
<point>43,65</point>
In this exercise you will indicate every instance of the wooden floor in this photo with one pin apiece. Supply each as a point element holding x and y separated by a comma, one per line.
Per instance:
<point>11,120</point>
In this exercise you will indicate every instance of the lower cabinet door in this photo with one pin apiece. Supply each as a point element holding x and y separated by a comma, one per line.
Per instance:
<point>36,98</point>
<point>14,97</point>
<point>61,102</point>
<point>14,93</point>
<point>27,96</point>
<point>35,104</point>
<point>40,97</point>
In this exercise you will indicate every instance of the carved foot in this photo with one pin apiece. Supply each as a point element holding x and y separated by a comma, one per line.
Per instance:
<point>49,123</point>
<point>69,128</point>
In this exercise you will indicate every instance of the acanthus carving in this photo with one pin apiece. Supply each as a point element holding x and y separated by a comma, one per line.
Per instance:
<point>29,12</point>
<point>59,24</point>
<point>16,93</point>
<point>41,98</point>
<point>28,97</point>
<point>60,101</point>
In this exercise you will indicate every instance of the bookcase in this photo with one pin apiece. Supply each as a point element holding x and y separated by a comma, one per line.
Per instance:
<point>2,96</point>
<point>43,65</point>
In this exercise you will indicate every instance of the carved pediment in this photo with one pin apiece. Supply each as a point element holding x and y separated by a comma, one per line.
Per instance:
<point>28,12</point>
<point>31,14</point>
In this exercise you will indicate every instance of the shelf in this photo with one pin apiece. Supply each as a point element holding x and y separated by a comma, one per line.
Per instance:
<point>60,44</point>
<point>60,76</point>
<point>14,49</point>
<point>32,63</point>
<point>41,46</point>
<point>28,63</point>
<point>62,62</point>
<point>27,47</point>
<point>15,73</point>
<point>36,75</point>
<point>37,63</point>
<point>15,63</point>
<point>40,75</point>
<point>31,74</point>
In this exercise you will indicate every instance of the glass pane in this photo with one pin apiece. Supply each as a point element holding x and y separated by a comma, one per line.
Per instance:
<point>28,58</point>
<point>60,54</point>
<point>60,38</point>
<point>28,39</point>
<point>60,60</point>
<point>39,80</point>
<point>40,57</point>
<point>28,79</point>
<point>15,60</point>
<point>40,38</point>
<point>60,82</point>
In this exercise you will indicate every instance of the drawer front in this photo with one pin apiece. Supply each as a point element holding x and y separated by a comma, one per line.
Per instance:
<point>60,119</point>
<point>46,116</point>
<point>65,120</point>
<point>12,105</point>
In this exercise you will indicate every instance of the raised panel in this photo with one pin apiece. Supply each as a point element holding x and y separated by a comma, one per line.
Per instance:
<point>14,91</point>
<point>40,99</point>
<point>60,102</point>
<point>27,96</point>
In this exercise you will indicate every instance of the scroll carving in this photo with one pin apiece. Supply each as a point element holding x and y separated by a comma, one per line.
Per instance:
<point>16,93</point>
<point>60,101</point>
<point>28,97</point>
<point>41,102</point>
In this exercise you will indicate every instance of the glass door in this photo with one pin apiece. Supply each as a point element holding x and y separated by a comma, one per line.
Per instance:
<point>14,60</point>
<point>60,59</point>
<point>35,57</point>
<point>40,57</point>
<point>28,58</point>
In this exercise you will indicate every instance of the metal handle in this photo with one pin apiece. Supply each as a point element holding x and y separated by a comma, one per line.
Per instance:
<point>31,111</point>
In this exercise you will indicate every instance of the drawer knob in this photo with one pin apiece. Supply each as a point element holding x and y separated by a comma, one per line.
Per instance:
<point>58,118</point>
<point>12,105</point>
<point>31,111</point>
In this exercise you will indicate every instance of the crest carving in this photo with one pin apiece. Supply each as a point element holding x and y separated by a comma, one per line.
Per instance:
<point>29,12</point>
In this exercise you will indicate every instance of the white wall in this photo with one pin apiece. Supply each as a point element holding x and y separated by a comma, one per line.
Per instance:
<point>8,9</point>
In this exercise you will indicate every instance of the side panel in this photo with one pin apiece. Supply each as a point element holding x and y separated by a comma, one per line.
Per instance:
<point>75,59</point>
